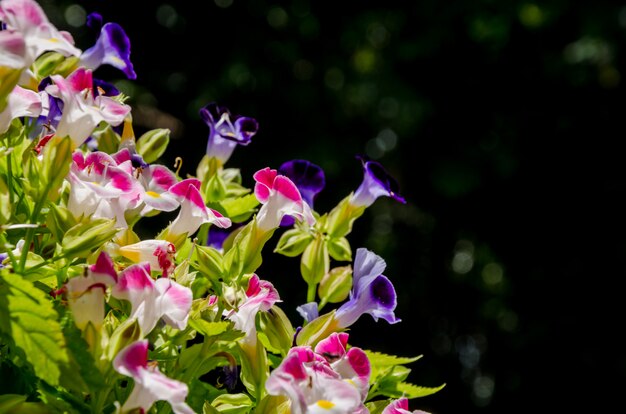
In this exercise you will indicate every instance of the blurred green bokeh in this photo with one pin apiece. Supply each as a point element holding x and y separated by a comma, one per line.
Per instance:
<point>502,122</point>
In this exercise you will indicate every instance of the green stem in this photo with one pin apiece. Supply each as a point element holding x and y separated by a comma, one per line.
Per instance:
<point>30,233</point>
<point>311,292</point>
<point>10,176</point>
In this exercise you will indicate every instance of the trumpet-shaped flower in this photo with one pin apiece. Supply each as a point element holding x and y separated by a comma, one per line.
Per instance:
<point>280,197</point>
<point>372,292</point>
<point>158,253</point>
<point>376,183</point>
<point>352,364</point>
<point>28,19</point>
<point>100,188</point>
<point>85,294</point>
<point>155,181</point>
<point>400,406</point>
<point>226,131</point>
<point>193,212</point>
<point>150,300</point>
<point>260,297</point>
<point>151,385</point>
<point>112,48</point>
<point>312,385</point>
<point>83,106</point>
<point>21,102</point>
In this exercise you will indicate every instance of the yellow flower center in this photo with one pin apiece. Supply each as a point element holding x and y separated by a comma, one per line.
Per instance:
<point>153,194</point>
<point>325,404</point>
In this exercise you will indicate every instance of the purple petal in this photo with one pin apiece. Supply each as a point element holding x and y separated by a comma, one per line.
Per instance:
<point>94,21</point>
<point>379,300</point>
<point>308,311</point>
<point>308,177</point>
<point>212,113</point>
<point>106,87</point>
<point>376,183</point>
<point>367,266</point>
<point>113,48</point>
<point>246,128</point>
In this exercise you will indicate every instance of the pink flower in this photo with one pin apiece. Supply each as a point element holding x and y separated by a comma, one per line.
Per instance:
<point>85,294</point>
<point>158,253</point>
<point>401,406</point>
<point>280,197</point>
<point>260,296</point>
<point>193,212</point>
<point>84,107</point>
<point>150,300</point>
<point>27,19</point>
<point>150,384</point>
<point>21,102</point>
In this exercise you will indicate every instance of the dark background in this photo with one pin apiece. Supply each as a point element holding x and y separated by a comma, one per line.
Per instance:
<point>503,123</point>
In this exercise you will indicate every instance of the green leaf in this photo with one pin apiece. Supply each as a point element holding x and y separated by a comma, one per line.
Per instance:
<point>215,190</point>
<point>82,373</point>
<point>239,209</point>
<point>293,242</point>
<point>27,316</point>
<point>59,221</point>
<point>207,328</point>
<point>379,359</point>
<point>339,249</point>
<point>232,403</point>
<point>377,407</point>
<point>414,391</point>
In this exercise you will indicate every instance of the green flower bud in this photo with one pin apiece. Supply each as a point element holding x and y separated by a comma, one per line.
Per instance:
<point>210,262</point>
<point>315,261</point>
<point>47,63</point>
<point>152,144</point>
<point>335,285</point>
<point>56,164</point>
<point>232,404</point>
<point>339,249</point>
<point>275,330</point>
<point>84,237</point>
<point>317,329</point>
<point>59,221</point>
<point>124,335</point>
<point>293,242</point>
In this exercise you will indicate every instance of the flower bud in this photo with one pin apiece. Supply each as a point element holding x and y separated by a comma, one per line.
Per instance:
<point>335,285</point>
<point>152,144</point>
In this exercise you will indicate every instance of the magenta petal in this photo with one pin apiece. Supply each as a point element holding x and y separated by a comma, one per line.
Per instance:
<point>181,188</point>
<point>359,362</point>
<point>334,346</point>
<point>135,277</point>
<point>132,358</point>
<point>104,267</point>
<point>287,188</point>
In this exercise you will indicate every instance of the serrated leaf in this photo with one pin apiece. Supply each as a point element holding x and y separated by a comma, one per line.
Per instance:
<point>408,390</point>
<point>27,316</point>
<point>207,328</point>
<point>380,359</point>
<point>81,362</point>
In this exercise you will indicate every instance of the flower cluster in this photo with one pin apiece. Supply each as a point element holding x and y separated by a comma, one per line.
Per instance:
<point>95,319</point>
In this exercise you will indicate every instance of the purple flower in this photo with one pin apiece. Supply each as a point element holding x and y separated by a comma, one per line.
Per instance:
<point>372,292</point>
<point>226,131</point>
<point>94,21</point>
<point>376,183</point>
<point>308,177</point>
<point>308,311</point>
<point>112,48</point>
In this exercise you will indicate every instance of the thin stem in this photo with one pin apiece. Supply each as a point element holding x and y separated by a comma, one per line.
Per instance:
<point>311,292</point>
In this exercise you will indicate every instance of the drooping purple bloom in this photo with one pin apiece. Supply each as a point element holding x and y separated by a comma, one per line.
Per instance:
<point>226,131</point>
<point>372,292</point>
<point>376,183</point>
<point>112,48</point>
<point>308,177</point>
